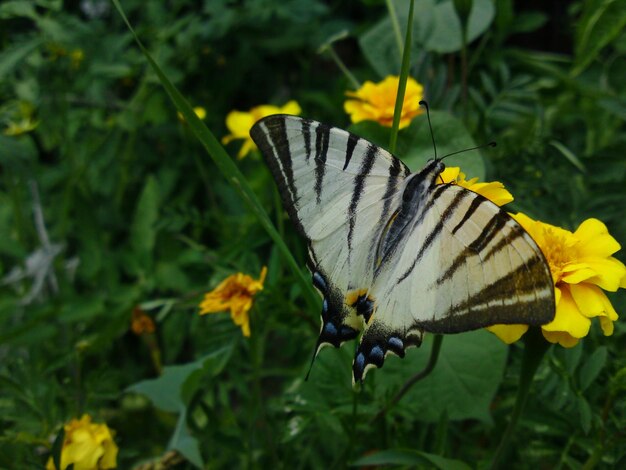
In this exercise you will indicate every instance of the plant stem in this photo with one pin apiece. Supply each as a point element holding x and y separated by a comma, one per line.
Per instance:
<point>535,347</point>
<point>353,81</point>
<point>395,24</point>
<point>432,362</point>
<point>404,73</point>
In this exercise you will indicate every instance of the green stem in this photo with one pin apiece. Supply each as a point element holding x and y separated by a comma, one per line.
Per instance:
<point>404,73</point>
<point>396,24</point>
<point>432,362</point>
<point>535,347</point>
<point>353,81</point>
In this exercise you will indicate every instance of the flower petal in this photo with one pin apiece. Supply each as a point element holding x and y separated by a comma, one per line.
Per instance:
<point>573,273</point>
<point>609,272</point>
<point>508,333</point>
<point>588,298</point>
<point>595,240</point>
<point>564,339</point>
<point>568,317</point>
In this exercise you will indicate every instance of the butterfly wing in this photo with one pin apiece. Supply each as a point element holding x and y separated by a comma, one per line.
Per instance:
<point>462,264</point>
<point>336,188</point>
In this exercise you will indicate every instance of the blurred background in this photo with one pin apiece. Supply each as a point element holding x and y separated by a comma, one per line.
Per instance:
<point>111,211</point>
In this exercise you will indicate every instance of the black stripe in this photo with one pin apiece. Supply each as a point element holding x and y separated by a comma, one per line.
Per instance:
<point>278,135</point>
<point>261,133</point>
<point>516,232</point>
<point>322,135</point>
<point>359,182</point>
<point>400,223</point>
<point>352,141</point>
<point>306,133</point>
<point>432,236</point>
<point>489,232</point>
<point>472,208</point>
<point>394,171</point>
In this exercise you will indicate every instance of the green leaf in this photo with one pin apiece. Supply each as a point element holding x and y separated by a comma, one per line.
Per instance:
<point>446,31</point>
<point>410,457</point>
<point>602,21</point>
<point>569,155</point>
<point>592,367</point>
<point>11,57</point>
<point>228,169</point>
<point>584,413</point>
<point>185,443</point>
<point>143,230</point>
<point>463,383</point>
<point>57,447</point>
<point>380,46</point>
<point>173,389</point>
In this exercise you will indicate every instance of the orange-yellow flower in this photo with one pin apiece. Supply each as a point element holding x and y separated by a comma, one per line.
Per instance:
<point>235,293</point>
<point>141,323</point>
<point>377,101</point>
<point>581,266</point>
<point>86,445</point>
<point>494,191</point>
<point>239,123</point>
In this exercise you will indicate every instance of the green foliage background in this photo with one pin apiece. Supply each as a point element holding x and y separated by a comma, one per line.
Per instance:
<point>112,203</point>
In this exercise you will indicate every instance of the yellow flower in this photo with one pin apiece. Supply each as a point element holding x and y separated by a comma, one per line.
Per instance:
<point>581,266</point>
<point>240,122</point>
<point>87,445</point>
<point>235,293</point>
<point>24,125</point>
<point>198,110</point>
<point>376,102</point>
<point>494,191</point>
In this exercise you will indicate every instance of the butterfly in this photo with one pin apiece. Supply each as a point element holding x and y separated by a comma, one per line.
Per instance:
<point>393,253</point>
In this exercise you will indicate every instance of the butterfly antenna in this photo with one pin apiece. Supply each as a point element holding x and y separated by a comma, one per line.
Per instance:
<point>432,135</point>
<point>490,144</point>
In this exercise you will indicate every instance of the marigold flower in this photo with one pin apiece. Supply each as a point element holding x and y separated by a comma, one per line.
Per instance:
<point>377,101</point>
<point>239,123</point>
<point>494,191</point>
<point>581,266</point>
<point>86,445</point>
<point>141,323</point>
<point>235,293</point>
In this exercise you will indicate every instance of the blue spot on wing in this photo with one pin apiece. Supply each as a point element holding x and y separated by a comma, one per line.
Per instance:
<point>377,353</point>
<point>330,329</point>
<point>395,342</point>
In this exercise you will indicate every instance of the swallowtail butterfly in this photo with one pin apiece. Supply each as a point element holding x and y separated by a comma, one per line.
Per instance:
<point>393,253</point>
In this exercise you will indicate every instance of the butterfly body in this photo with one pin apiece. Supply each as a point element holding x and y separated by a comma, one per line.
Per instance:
<point>395,254</point>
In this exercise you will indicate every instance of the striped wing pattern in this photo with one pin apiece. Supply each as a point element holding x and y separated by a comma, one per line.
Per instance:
<point>394,253</point>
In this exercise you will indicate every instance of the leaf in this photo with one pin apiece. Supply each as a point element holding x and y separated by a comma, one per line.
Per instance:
<point>569,155</point>
<point>57,447</point>
<point>173,389</point>
<point>584,413</point>
<point>592,367</point>
<point>446,33</point>
<point>143,230</point>
<point>602,21</point>
<point>410,457</point>
<point>463,383</point>
<point>185,443</point>
<point>11,57</point>
<point>380,46</point>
